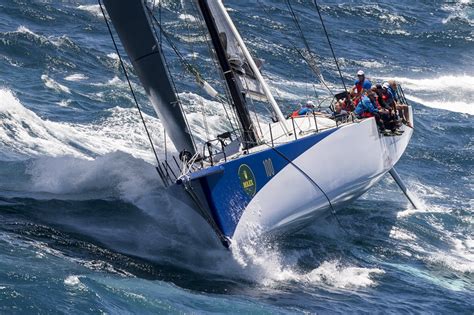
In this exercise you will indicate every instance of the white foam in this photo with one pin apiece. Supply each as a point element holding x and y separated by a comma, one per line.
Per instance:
<point>187,18</point>
<point>453,93</point>
<point>23,132</point>
<point>24,30</point>
<point>52,84</point>
<point>370,64</point>
<point>461,255</point>
<point>459,107</point>
<point>339,276</point>
<point>64,103</point>
<point>113,56</point>
<point>421,193</point>
<point>401,234</point>
<point>12,62</point>
<point>56,41</point>
<point>72,281</point>
<point>116,175</point>
<point>93,9</point>
<point>296,90</point>
<point>458,10</point>
<point>396,32</point>
<point>464,83</point>
<point>195,105</point>
<point>154,2</point>
<point>269,267</point>
<point>393,18</point>
<point>76,77</point>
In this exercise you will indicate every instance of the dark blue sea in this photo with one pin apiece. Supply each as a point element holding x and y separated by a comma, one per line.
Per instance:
<point>86,226</point>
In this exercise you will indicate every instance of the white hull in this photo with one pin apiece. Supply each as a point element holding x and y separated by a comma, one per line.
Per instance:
<point>344,165</point>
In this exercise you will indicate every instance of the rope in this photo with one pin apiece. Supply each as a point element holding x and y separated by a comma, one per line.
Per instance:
<point>305,42</point>
<point>330,45</point>
<point>160,172</point>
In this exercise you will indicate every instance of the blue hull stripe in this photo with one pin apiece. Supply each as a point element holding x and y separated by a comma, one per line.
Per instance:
<point>228,194</point>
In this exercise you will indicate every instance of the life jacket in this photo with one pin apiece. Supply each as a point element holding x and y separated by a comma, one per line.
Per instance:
<point>356,100</point>
<point>359,86</point>
<point>295,114</point>
<point>377,103</point>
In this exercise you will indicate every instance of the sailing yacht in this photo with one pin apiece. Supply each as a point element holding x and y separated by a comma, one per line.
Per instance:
<point>273,179</point>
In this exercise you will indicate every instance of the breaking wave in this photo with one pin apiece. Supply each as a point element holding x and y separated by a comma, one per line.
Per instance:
<point>446,92</point>
<point>42,40</point>
<point>93,9</point>
<point>52,84</point>
<point>25,133</point>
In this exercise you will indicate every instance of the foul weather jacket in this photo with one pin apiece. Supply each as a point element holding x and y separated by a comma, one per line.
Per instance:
<point>365,106</point>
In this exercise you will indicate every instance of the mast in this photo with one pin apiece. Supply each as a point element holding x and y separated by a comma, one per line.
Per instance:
<point>253,66</point>
<point>249,133</point>
<point>133,26</point>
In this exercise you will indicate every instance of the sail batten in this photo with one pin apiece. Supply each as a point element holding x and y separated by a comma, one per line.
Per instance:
<point>133,26</point>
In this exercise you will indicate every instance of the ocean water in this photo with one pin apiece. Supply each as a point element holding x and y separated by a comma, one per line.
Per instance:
<point>86,226</point>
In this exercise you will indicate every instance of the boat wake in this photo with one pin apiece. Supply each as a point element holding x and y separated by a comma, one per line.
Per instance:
<point>445,92</point>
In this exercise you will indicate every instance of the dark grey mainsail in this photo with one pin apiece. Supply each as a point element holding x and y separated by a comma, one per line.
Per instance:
<point>133,26</point>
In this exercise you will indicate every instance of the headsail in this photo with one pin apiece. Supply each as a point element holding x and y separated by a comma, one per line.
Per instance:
<point>133,26</point>
<point>239,63</point>
<point>249,68</point>
<point>250,137</point>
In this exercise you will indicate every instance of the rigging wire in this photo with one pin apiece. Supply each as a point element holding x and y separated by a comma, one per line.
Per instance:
<point>311,63</point>
<point>216,66</point>
<point>188,28</point>
<point>187,65</point>
<point>254,107</point>
<point>165,138</point>
<point>305,42</point>
<point>193,57</point>
<point>204,120</point>
<point>330,44</point>
<point>160,11</point>
<point>170,76</point>
<point>158,168</point>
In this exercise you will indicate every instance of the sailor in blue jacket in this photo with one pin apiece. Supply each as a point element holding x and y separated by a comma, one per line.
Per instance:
<point>367,108</point>
<point>361,84</point>
<point>390,91</point>
<point>366,105</point>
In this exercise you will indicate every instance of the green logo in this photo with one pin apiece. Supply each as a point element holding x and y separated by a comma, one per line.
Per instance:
<point>247,179</point>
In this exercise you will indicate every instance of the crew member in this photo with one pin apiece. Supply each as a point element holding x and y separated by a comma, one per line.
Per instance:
<point>361,84</point>
<point>367,108</point>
